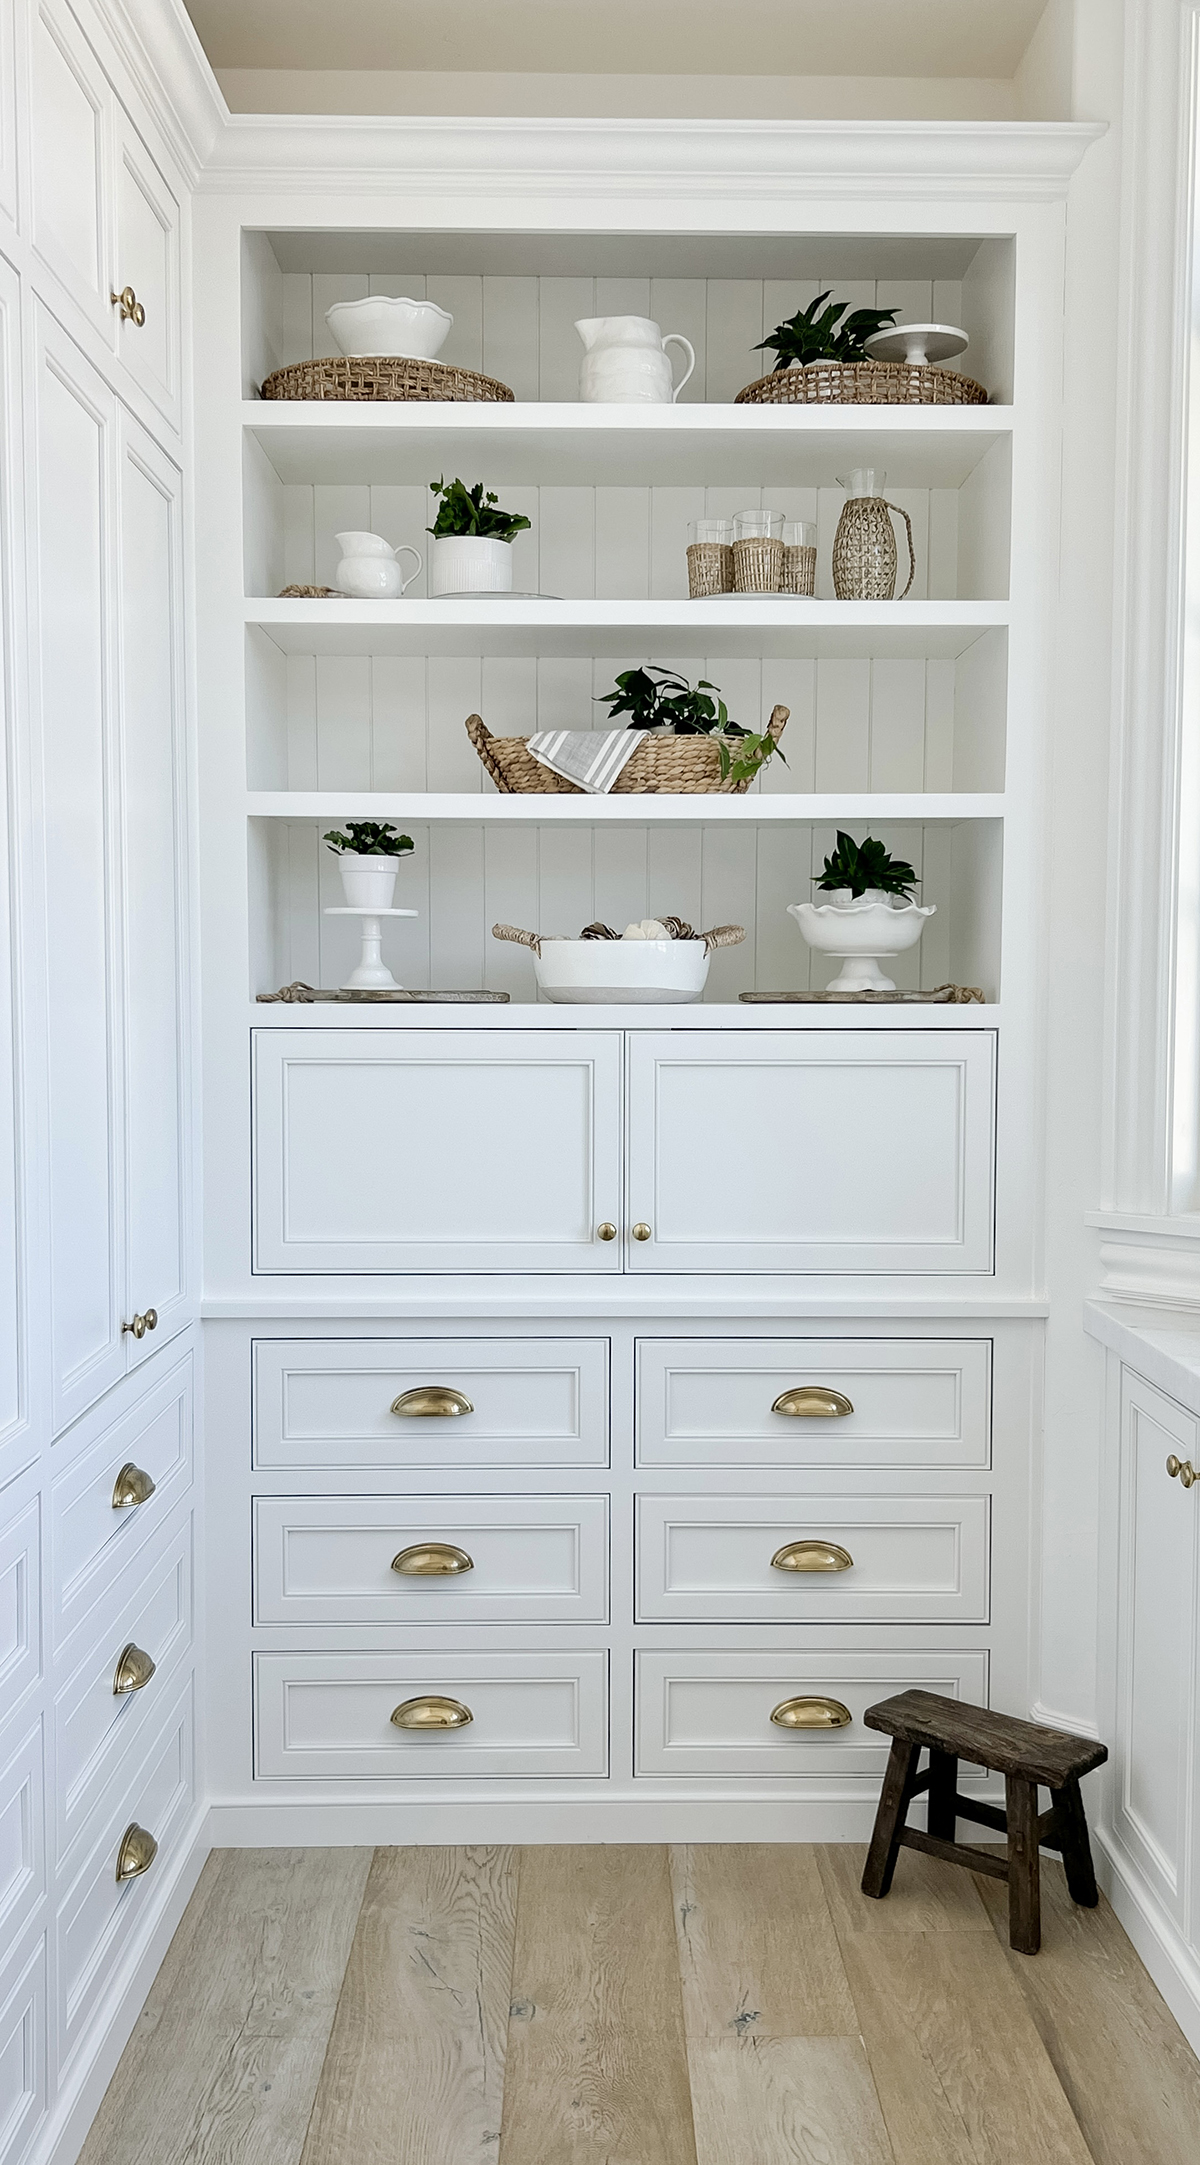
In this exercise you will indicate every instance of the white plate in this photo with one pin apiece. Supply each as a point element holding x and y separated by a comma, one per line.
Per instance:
<point>489,594</point>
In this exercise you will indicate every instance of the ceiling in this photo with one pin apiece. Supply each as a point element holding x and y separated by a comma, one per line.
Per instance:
<point>951,38</point>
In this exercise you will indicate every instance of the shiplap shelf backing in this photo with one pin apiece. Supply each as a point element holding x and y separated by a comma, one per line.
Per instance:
<point>522,329</point>
<point>465,878</point>
<point>395,722</point>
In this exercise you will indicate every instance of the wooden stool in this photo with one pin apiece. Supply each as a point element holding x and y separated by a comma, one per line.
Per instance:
<point>1026,1755</point>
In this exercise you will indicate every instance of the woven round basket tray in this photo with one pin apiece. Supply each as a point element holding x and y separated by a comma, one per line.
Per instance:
<point>863,383</point>
<point>661,766</point>
<point>368,376</point>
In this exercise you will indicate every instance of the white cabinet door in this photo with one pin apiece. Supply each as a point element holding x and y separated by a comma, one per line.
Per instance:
<point>439,1150</point>
<point>8,112</point>
<point>74,427</point>
<point>824,1151</point>
<point>70,121</point>
<point>154,845</point>
<point>147,259</point>
<point>16,1446</point>
<point>1154,1784</point>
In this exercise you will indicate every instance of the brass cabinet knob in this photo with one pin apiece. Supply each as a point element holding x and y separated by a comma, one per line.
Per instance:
<point>812,1556</point>
<point>432,1560</point>
<point>432,1712</point>
<point>817,1713</point>
<point>130,306</point>
<point>641,1230</point>
<point>133,1671</point>
<point>607,1231</point>
<point>813,1401</point>
<point>131,1486</point>
<point>430,1398</point>
<point>1182,1470</point>
<point>137,1852</point>
<point>141,1324</point>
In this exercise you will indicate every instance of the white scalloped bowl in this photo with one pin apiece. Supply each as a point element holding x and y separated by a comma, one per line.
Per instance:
<point>396,329</point>
<point>861,932</point>
<point>588,973</point>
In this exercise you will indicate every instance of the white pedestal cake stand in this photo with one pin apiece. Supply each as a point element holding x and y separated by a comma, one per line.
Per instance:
<point>372,974</point>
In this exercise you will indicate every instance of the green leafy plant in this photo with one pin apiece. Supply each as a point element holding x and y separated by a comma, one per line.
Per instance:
<point>809,336</point>
<point>472,511</point>
<point>659,699</point>
<point>860,865</point>
<point>369,838</point>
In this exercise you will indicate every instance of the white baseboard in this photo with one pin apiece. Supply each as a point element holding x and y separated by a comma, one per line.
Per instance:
<point>1074,1724</point>
<point>271,1824</point>
<point>1171,1962</point>
<point>92,2068</point>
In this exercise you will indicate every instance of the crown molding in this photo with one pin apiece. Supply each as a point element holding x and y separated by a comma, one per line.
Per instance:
<point>159,46</point>
<point>773,162</point>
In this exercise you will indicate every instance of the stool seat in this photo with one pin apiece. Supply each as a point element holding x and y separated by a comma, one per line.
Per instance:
<point>1028,1755</point>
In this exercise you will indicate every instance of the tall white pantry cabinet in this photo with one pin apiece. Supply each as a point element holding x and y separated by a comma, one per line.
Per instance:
<point>813,1333</point>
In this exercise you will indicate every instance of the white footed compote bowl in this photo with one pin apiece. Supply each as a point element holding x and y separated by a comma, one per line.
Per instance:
<point>859,929</point>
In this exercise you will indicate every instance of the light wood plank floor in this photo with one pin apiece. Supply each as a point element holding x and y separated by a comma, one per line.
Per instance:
<point>733,2005</point>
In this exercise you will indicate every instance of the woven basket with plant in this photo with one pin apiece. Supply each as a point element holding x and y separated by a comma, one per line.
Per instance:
<point>822,359</point>
<point>693,747</point>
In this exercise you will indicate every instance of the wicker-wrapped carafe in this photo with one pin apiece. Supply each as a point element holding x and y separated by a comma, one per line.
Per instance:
<point>864,546</point>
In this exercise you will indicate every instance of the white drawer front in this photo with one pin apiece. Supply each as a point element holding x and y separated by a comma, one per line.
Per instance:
<point>914,1559</point>
<point>439,1150</point>
<point>22,1847</point>
<point>92,1540</point>
<point>327,1403</point>
<point>328,1717</point>
<point>917,1402</point>
<point>534,1559</point>
<point>23,2050</point>
<point>709,1715</point>
<point>152,1607</point>
<point>98,1913</point>
<point>20,1606</point>
<point>849,1150</point>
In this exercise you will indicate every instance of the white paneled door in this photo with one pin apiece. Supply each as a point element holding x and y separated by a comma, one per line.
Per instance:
<point>70,120</point>
<point>446,1150</point>
<point>147,261</point>
<point>1158,1665</point>
<point>154,853</point>
<point>825,1151</point>
<point>14,1408</point>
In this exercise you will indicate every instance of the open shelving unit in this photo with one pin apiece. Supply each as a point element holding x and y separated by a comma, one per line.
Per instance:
<point>901,713</point>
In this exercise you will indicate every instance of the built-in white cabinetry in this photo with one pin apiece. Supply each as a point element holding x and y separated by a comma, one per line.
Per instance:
<point>16,1442</point>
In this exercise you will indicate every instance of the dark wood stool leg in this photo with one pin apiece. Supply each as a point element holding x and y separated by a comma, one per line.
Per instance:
<point>1075,1847</point>
<point>1024,1882</point>
<point>889,1819</point>
<point>943,1788</point>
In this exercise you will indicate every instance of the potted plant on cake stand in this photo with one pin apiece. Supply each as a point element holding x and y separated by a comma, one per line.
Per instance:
<point>870,912</point>
<point>369,854</point>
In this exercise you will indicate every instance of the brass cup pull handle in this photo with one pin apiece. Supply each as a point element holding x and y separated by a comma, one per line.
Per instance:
<point>641,1230</point>
<point>1182,1470</point>
<point>133,1671</point>
<point>432,1560</point>
<point>432,1712</point>
<point>813,1401</point>
<point>607,1231</point>
<point>137,1852</point>
<point>130,306</point>
<point>132,1486</point>
<point>815,1713</point>
<point>431,1398</point>
<point>812,1556</point>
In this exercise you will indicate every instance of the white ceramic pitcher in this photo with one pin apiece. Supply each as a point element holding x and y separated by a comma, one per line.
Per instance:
<point>625,362</point>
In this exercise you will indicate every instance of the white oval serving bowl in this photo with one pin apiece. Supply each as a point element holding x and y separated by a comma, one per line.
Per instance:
<point>586,973</point>
<point>860,931</point>
<point>380,327</point>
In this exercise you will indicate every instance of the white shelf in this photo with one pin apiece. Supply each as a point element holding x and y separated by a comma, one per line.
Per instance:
<point>628,446</point>
<point>636,811</point>
<point>741,625</point>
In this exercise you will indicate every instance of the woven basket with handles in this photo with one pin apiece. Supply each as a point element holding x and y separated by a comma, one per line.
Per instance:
<point>367,376</point>
<point>863,383</point>
<point>661,766</point>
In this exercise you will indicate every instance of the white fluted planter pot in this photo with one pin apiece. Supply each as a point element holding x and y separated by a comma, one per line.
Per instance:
<point>860,930</point>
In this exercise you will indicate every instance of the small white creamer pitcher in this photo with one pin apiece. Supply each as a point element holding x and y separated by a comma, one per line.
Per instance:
<point>625,362</point>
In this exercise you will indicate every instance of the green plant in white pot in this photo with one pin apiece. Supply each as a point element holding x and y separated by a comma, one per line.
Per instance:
<point>471,552</point>
<point>869,912</point>
<point>369,854</point>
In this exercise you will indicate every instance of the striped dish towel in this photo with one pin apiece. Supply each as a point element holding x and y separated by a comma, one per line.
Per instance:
<point>591,757</point>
